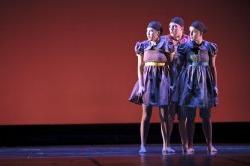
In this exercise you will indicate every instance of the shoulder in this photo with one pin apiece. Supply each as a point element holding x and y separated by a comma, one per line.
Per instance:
<point>187,44</point>
<point>212,47</point>
<point>166,44</point>
<point>140,46</point>
<point>185,38</point>
<point>165,38</point>
<point>183,47</point>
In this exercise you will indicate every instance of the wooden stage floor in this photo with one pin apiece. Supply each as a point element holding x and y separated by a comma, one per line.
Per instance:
<point>122,155</point>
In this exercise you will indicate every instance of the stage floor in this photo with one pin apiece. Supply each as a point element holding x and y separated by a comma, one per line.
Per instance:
<point>122,155</point>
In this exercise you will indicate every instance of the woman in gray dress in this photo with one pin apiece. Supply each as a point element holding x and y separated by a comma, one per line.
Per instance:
<point>153,85</point>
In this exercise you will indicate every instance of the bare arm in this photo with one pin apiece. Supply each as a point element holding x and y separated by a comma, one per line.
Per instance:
<point>214,72</point>
<point>140,67</point>
<point>171,56</point>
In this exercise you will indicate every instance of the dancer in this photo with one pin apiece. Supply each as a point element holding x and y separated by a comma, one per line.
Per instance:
<point>176,36</point>
<point>152,87</point>
<point>197,83</point>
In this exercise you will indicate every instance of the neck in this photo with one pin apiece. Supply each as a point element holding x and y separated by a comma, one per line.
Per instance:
<point>156,40</point>
<point>199,41</point>
<point>177,37</point>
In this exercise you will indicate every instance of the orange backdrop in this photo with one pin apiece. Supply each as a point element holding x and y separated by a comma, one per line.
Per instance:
<point>73,61</point>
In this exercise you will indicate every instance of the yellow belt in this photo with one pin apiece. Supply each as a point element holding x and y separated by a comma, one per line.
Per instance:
<point>154,64</point>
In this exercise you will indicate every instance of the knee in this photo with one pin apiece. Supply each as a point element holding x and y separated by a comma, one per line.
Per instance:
<point>206,119</point>
<point>165,117</point>
<point>205,115</point>
<point>170,118</point>
<point>182,116</point>
<point>146,117</point>
<point>190,114</point>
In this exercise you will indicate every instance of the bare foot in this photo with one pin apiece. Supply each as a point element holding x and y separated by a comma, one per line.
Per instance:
<point>167,150</point>
<point>212,150</point>
<point>184,149</point>
<point>190,151</point>
<point>142,149</point>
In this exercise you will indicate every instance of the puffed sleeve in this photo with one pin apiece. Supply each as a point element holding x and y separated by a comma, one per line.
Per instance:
<point>139,49</point>
<point>213,49</point>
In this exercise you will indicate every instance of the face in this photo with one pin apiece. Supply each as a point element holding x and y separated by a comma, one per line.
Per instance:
<point>195,34</point>
<point>152,34</point>
<point>175,29</point>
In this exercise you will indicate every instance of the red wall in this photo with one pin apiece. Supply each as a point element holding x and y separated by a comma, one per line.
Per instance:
<point>73,62</point>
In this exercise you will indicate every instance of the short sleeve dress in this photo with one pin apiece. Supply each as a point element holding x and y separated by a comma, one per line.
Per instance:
<point>195,83</point>
<point>156,78</point>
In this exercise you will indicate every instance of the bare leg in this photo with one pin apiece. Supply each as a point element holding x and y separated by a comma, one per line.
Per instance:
<point>145,123</point>
<point>170,120</point>
<point>174,108</point>
<point>207,129</point>
<point>164,131</point>
<point>182,129</point>
<point>190,128</point>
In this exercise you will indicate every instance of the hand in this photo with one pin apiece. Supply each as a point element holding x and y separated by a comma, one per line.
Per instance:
<point>216,90</point>
<point>172,88</point>
<point>141,90</point>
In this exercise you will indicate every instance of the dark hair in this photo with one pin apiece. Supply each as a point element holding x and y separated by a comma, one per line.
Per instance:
<point>178,20</point>
<point>155,25</point>
<point>200,26</point>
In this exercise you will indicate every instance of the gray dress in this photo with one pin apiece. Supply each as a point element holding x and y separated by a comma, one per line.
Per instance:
<point>195,86</point>
<point>156,78</point>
